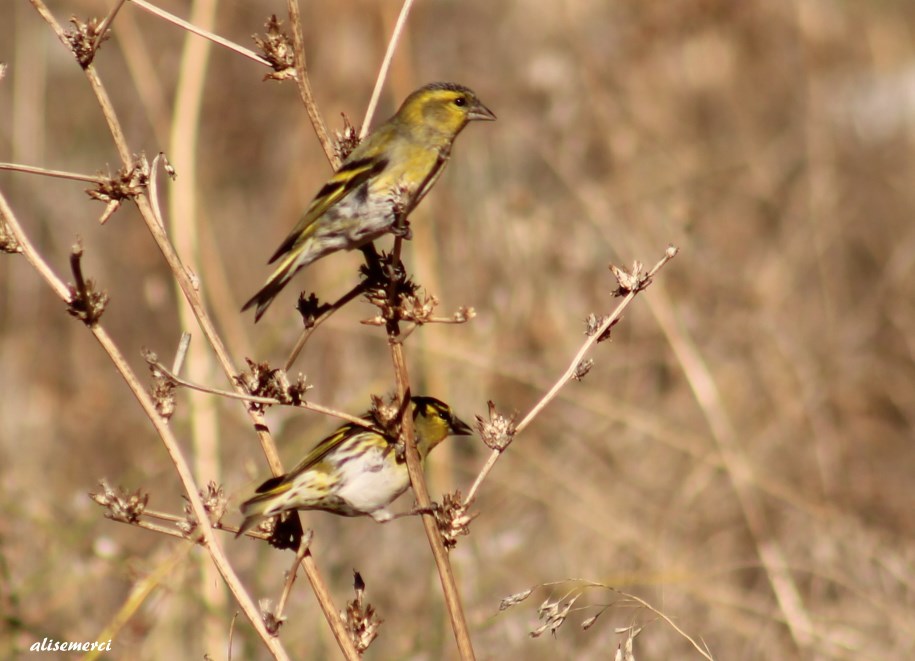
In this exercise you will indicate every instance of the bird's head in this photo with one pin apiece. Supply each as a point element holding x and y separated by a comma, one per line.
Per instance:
<point>433,422</point>
<point>443,107</point>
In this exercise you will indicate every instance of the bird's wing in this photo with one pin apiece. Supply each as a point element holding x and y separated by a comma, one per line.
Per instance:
<point>316,454</point>
<point>430,179</point>
<point>344,181</point>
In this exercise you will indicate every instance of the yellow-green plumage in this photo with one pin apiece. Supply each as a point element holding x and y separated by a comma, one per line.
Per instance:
<point>355,471</point>
<point>393,168</point>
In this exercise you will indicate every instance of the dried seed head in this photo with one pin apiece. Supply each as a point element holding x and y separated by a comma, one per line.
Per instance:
<point>129,182</point>
<point>214,501</point>
<point>276,47</point>
<point>260,380</point>
<point>593,324</point>
<point>163,388</point>
<point>360,619</point>
<point>588,623</point>
<point>463,315</point>
<point>189,523</point>
<point>514,599</point>
<point>553,614</point>
<point>268,614</point>
<point>85,302</point>
<point>346,140</point>
<point>121,505</point>
<point>582,369</point>
<point>452,519</point>
<point>417,308</point>
<point>497,432</point>
<point>386,414</point>
<point>629,281</point>
<point>83,39</point>
<point>8,242</point>
<point>310,308</point>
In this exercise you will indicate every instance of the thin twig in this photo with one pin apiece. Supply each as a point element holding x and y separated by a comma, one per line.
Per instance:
<point>230,394</point>
<point>324,316</point>
<point>164,516</point>
<point>184,228</point>
<point>418,481</point>
<point>60,174</point>
<point>165,433</point>
<point>206,34</point>
<point>290,578</point>
<point>301,74</point>
<point>189,289</point>
<point>154,187</point>
<point>183,345</point>
<point>174,518</point>
<point>385,65</point>
<point>231,636</point>
<point>103,28</point>
<point>666,618</point>
<point>569,372</point>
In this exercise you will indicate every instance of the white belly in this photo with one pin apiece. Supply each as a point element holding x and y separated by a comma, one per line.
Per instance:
<point>368,488</point>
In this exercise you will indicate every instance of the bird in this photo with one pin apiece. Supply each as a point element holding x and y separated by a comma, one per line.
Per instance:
<point>355,471</point>
<point>381,181</point>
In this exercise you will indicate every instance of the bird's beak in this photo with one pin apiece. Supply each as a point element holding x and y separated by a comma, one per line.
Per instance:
<point>481,112</point>
<point>459,427</point>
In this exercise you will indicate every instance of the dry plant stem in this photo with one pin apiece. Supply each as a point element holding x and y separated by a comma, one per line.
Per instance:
<point>306,333</point>
<point>184,221</point>
<point>231,636</point>
<point>290,579</point>
<point>153,527</point>
<point>319,587</point>
<point>156,228</point>
<point>60,174</point>
<point>385,65</point>
<point>183,344</point>
<point>317,408</point>
<point>206,34</point>
<point>189,289</point>
<point>566,376</point>
<point>154,189</point>
<point>666,618</point>
<point>418,481</point>
<point>208,539</point>
<point>301,74</point>
<point>103,28</point>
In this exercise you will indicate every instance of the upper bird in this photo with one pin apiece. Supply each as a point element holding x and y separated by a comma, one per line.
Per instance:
<point>384,177</point>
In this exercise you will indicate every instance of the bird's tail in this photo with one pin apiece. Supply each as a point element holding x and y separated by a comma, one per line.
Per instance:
<point>262,504</point>
<point>274,285</point>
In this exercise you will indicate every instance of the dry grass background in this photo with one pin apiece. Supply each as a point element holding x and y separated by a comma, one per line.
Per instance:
<point>770,141</point>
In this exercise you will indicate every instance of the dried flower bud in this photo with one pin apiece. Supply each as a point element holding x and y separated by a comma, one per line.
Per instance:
<point>360,619</point>
<point>121,505</point>
<point>276,47</point>
<point>452,519</point>
<point>497,432</point>
<point>84,39</point>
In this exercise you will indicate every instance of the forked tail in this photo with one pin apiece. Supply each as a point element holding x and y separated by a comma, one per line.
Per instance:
<point>279,279</point>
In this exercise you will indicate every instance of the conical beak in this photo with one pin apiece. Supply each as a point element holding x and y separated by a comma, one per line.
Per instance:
<point>459,427</point>
<point>479,111</point>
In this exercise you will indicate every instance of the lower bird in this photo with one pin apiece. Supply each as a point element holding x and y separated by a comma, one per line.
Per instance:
<point>382,180</point>
<point>355,471</point>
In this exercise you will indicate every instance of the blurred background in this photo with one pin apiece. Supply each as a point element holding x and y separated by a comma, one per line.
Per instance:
<point>740,456</point>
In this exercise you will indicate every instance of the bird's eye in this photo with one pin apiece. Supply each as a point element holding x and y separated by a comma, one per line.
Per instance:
<point>460,101</point>
<point>443,415</point>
